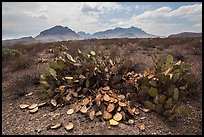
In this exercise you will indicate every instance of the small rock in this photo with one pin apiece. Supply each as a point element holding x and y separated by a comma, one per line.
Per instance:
<point>38,130</point>
<point>140,121</point>
<point>103,123</point>
<point>142,118</point>
<point>121,125</point>
<point>109,127</point>
<point>83,119</point>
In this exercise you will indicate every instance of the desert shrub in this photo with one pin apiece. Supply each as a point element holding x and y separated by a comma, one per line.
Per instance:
<point>131,48</point>
<point>161,48</point>
<point>22,86</point>
<point>147,43</point>
<point>197,51</point>
<point>178,56</point>
<point>24,48</point>
<point>8,53</point>
<point>166,46</point>
<point>20,63</point>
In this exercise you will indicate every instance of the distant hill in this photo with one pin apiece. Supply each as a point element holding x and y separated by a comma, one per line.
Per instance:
<point>57,33</point>
<point>24,40</point>
<point>118,32</point>
<point>84,35</point>
<point>185,34</point>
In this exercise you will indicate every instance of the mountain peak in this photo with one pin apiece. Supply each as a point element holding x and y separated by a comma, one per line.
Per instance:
<point>84,34</point>
<point>56,30</point>
<point>119,32</point>
<point>58,26</point>
<point>119,28</point>
<point>132,27</point>
<point>57,33</point>
<point>61,27</point>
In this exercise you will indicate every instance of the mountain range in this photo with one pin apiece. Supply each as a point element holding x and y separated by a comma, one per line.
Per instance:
<point>60,33</point>
<point>119,32</point>
<point>84,35</point>
<point>185,35</point>
<point>23,40</point>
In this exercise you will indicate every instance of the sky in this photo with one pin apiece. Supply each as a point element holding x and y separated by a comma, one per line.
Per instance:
<point>22,19</point>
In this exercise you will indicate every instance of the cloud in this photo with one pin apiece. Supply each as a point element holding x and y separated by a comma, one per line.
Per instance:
<point>188,10</point>
<point>37,15</point>
<point>22,17</point>
<point>161,12</point>
<point>165,20</point>
<point>87,8</point>
<point>197,27</point>
<point>105,6</point>
<point>24,21</point>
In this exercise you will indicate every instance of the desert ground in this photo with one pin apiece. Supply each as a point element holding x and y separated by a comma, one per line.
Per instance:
<point>20,76</point>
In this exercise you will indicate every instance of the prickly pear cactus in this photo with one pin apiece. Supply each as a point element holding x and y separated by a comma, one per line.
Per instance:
<point>160,89</point>
<point>163,88</point>
<point>84,72</point>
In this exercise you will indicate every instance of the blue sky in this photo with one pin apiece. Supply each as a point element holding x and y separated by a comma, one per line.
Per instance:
<point>21,19</point>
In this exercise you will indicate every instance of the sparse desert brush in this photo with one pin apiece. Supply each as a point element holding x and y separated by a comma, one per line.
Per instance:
<point>8,53</point>
<point>15,59</point>
<point>20,63</point>
<point>23,84</point>
<point>197,47</point>
<point>24,48</point>
<point>178,57</point>
<point>147,43</point>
